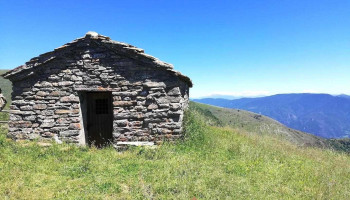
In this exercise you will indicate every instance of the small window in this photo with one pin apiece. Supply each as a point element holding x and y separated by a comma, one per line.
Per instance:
<point>101,106</point>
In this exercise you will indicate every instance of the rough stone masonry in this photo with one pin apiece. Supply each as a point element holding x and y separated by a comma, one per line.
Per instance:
<point>50,92</point>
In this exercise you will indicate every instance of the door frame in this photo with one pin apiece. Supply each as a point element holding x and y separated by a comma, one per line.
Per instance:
<point>84,114</point>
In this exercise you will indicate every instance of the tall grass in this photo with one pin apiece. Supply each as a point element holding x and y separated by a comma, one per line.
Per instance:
<point>210,163</point>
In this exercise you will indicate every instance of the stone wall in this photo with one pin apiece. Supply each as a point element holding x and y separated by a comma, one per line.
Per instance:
<point>148,101</point>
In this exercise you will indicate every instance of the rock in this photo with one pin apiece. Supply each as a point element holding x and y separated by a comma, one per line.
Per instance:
<point>174,113</point>
<point>156,115</point>
<point>46,112</point>
<point>26,108</point>
<point>128,115</point>
<point>42,93</point>
<point>154,84</point>
<point>65,83</point>
<point>76,78</point>
<point>53,78</point>
<point>48,134</point>
<point>75,126</point>
<point>123,103</point>
<point>139,108</point>
<point>174,92</point>
<point>57,140</point>
<point>43,84</point>
<point>75,106</point>
<point>63,121</point>
<point>157,120</point>
<point>29,118</point>
<point>127,94</point>
<point>58,93</point>
<point>39,106</point>
<point>173,125</point>
<point>20,124</point>
<point>19,112</point>
<point>47,124</point>
<point>74,111</point>
<point>15,117</point>
<point>58,129</point>
<point>122,123</point>
<point>69,133</point>
<point>21,102</point>
<point>70,98</point>
<point>164,105</point>
<point>174,99</point>
<point>85,56</point>
<point>162,100</point>
<point>152,106</point>
<point>136,123</point>
<point>175,106</point>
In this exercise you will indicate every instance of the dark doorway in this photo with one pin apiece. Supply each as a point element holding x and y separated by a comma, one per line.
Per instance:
<point>99,118</point>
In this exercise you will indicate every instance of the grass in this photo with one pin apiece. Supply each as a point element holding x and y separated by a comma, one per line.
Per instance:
<point>253,123</point>
<point>211,163</point>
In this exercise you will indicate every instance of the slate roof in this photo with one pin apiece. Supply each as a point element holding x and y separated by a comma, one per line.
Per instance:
<point>119,47</point>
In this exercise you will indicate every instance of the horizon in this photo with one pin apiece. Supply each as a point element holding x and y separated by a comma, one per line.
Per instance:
<point>229,97</point>
<point>248,48</point>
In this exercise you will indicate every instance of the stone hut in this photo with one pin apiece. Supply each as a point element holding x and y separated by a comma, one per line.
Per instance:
<point>94,90</point>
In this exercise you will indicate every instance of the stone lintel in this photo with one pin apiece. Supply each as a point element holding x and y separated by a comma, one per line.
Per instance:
<point>99,89</point>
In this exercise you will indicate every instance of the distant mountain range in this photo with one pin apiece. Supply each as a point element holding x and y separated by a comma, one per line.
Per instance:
<point>228,97</point>
<point>323,115</point>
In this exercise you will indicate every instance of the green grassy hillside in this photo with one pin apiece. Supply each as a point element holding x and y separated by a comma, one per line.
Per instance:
<point>252,123</point>
<point>212,162</point>
<point>257,124</point>
<point>322,115</point>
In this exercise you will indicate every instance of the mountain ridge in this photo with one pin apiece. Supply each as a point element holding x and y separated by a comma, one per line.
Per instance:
<point>253,123</point>
<point>257,124</point>
<point>323,115</point>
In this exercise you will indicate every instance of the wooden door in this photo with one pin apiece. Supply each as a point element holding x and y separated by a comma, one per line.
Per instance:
<point>100,118</point>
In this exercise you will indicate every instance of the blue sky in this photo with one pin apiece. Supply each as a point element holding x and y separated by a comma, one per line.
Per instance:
<point>237,47</point>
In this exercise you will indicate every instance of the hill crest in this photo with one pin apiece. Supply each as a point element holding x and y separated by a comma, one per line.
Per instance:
<point>320,114</point>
